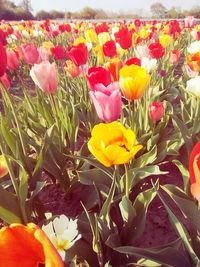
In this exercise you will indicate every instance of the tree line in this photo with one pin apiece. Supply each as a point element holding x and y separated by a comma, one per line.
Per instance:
<point>11,11</point>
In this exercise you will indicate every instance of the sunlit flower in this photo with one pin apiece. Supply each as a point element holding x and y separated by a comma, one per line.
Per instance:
<point>63,233</point>
<point>113,144</point>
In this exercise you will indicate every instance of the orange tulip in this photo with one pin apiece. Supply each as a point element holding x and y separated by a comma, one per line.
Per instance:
<point>3,167</point>
<point>27,246</point>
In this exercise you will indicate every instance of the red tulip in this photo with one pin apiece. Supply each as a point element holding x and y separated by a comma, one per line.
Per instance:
<point>3,40</point>
<point>3,60</point>
<point>58,52</point>
<point>98,75</point>
<point>174,56</point>
<point>78,54</point>
<point>156,50</point>
<point>156,111</point>
<point>109,49</point>
<point>133,60</point>
<point>194,170</point>
<point>4,79</point>
<point>124,38</point>
<point>12,60</point>
<point>113,67</point>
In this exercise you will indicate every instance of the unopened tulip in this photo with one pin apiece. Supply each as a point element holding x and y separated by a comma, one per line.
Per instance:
<point>3,60</point>
<point>3,167</point>
<point>71,69</point>
<point>44,76</point>
<point>156,111</point>
<point>156,50</point>
<point>58,52</point>
<point>133,81</point>
<point>113,66</point>
<point>107,101</point>
<point>12,60</point>
<point>109,49</point>
<point>174,56</point>
<point>141,51</point>
<point>4,79</point>
<point>27,246</point>
<point>78,54</point>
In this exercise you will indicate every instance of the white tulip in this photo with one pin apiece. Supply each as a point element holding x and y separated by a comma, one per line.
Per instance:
<point>193,86</point>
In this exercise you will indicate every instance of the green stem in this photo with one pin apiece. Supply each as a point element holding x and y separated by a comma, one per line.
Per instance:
<point>127,181</point>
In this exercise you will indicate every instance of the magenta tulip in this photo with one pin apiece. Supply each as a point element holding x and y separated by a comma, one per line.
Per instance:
<point>107,101</point>
<point>30,53</point>
<point>44,76</point>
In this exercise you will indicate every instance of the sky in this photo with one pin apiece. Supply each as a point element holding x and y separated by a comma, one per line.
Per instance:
<point>107,5</point>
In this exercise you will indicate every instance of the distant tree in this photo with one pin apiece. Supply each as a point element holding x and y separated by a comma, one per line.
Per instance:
<point>57,14</point>
<point>158,10</point>
<point>88,13</point>
<point>26,5</point>
<point>100,14</point>
<point>42,14</point>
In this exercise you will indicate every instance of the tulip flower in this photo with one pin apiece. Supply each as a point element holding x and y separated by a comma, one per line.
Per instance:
<point>190,72</point>
<point>3,167</point>
<point>44,76</point>
<point>194,170</point>
<point>194,47</point>
<point>27,246</point>
<point>124,38</point>
<point>113,144</point>
<point>103,38</point>
<point>58,52</point>
<point>156,50</point>
<point>3,58</point>
<point>141,51</point>
<point>43,54</point>
<point>174,56</point>
<point>133,81</point>
<point>189,22</point>
<point>97,75</point>
<point>109,49</point>
<point>156,111</point>
<point>12,60</point>
<point>133,60</point>
<point>30,53</point>
<point>149,64</point>
<point>63,233</point>
<point>113,66</point>
<point>193,60</point>
<point>165,40</point>
<point>71,69</point>
<point>78,54</point>
<point>107,101</point>
<point>193,86</point>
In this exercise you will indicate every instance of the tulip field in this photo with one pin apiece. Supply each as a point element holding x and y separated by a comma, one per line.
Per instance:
<point>100,136</point>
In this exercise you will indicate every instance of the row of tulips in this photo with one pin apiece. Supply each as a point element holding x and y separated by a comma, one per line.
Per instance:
<point>98,107</point>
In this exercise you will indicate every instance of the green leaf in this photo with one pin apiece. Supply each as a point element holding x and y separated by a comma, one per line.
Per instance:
<point>127,210</point>
<point>9,207</point>
<point>180,229</point>
<point>185,174</point>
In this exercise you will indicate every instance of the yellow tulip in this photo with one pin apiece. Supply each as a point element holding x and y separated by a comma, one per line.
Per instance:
<point>3,167</point>
<point>113,144</point>
<point>165,40</point>
<point>91,36</point>
<point>79,40</point>
<point>133,81</point>
<point>103,38</point>
<point>48,46</point>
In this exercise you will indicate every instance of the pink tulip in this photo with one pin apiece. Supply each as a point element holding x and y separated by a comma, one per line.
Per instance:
<point>43,54</point>
<point>107,101</point>
<point>30,53</point>
<point>190,22</point>
<point>156,111</point>
<point>12,60</point>
<point>142,51</point>
<point>44,76</point>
